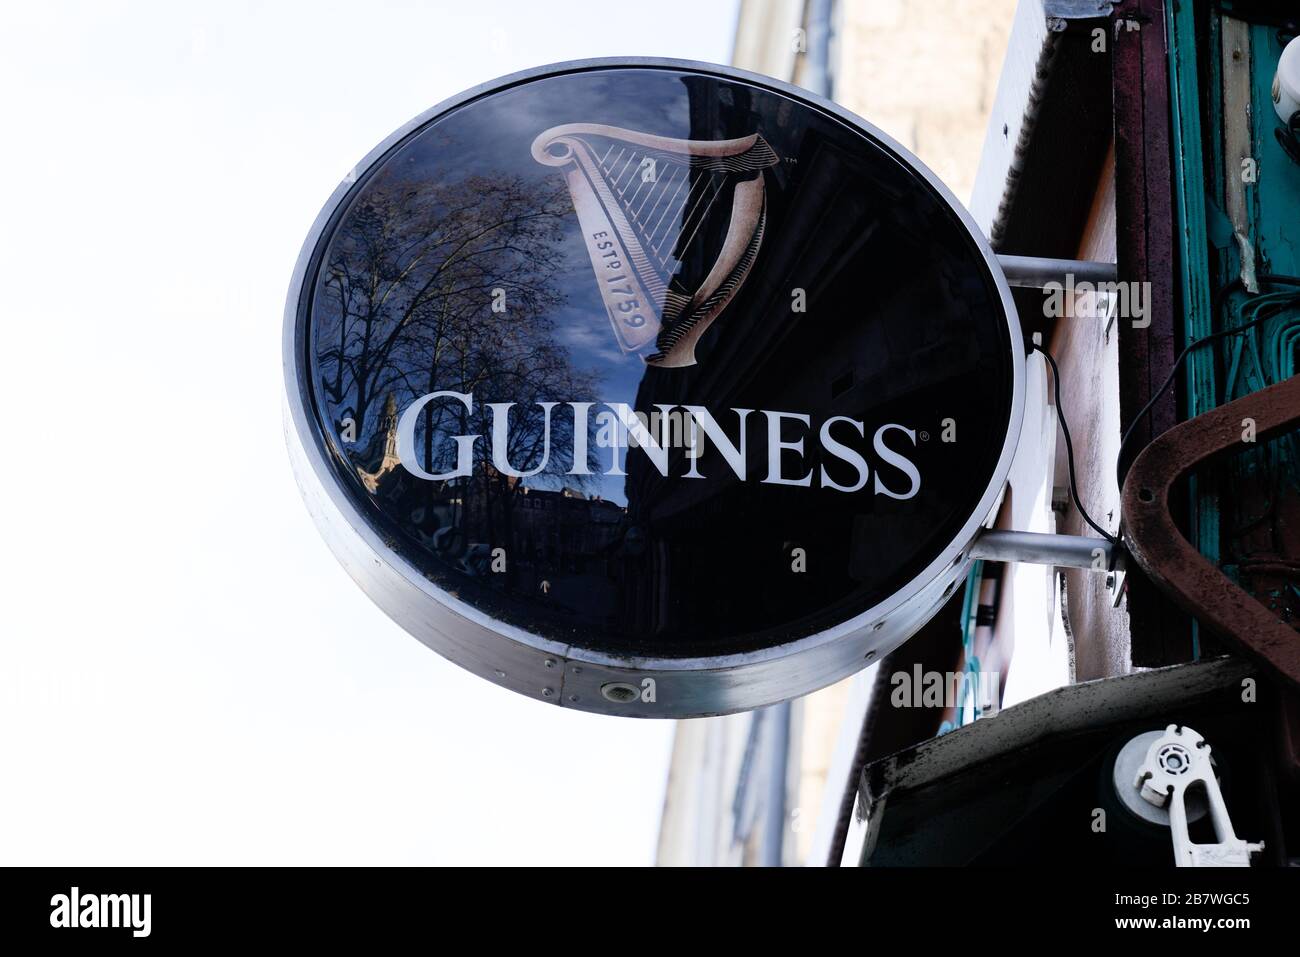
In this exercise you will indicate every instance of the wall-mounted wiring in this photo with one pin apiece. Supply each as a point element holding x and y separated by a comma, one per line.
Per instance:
<point>1069,447</point>
<point>1262,315</point>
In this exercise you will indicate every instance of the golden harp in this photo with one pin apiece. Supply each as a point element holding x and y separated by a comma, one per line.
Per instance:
<point>672,227</point>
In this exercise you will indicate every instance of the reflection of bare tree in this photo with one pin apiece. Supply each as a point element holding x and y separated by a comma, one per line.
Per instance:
<point>411,277</point>
<point>449,286</point>
<point>526,374</point>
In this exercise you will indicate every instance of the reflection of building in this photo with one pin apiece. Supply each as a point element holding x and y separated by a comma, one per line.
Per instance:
<point>566,528</point>
<point>381,455</point>
<point>1078,162</point>
<point>562,548</point>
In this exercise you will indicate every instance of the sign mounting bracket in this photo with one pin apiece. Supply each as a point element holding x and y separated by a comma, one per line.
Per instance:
<point>1043,548</point>
<point>1036,272</point>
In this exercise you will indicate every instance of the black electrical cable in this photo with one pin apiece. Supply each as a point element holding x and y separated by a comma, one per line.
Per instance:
<point>1069,447</point>
<point>1266,278</point>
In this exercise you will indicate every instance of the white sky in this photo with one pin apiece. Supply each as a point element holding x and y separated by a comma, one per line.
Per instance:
<point>186,674</point>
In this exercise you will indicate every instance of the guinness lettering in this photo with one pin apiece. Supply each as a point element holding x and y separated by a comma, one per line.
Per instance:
<point>629,375</point>
<point>630,430</point>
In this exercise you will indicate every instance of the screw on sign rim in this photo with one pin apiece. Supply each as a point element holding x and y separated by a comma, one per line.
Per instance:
<point>562,673</point>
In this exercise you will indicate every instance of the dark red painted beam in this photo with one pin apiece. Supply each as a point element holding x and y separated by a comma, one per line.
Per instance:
<point>1144,207</point>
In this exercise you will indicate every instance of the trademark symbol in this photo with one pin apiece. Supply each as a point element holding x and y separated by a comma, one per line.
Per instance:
<point>923,436</point>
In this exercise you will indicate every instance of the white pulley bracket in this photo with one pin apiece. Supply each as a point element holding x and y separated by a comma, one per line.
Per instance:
<point>1178,759</point>
<point>1286,82</point>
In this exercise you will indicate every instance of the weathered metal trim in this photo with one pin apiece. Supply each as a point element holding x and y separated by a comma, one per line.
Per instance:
<point>1051,113</point>
<point>1031,51</point>
<point>1076,9</point>
<point>1172,562</point>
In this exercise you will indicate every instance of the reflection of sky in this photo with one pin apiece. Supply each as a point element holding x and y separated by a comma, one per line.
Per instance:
<point>493,137</point>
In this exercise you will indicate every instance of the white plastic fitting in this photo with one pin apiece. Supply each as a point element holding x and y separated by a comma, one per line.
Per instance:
<point>1286,82</point>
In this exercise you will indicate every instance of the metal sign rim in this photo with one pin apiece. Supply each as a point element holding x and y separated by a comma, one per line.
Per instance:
<point>548,669</point>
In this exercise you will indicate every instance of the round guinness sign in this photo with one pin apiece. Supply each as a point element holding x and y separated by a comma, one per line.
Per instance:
<point>649,387</point>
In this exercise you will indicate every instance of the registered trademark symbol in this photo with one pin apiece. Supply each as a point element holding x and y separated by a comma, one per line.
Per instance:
<point>923,436</point>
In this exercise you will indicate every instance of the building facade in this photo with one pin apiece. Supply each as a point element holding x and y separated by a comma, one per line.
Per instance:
<point>1079,134</point>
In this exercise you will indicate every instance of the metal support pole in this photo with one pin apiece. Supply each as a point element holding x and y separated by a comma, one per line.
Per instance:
<point>1038,548</point>
<point>817,66</point>
<point>1035,272</point>
<point>772,854</point>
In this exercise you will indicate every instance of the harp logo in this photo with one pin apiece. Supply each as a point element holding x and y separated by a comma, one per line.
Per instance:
<point>672,227</point>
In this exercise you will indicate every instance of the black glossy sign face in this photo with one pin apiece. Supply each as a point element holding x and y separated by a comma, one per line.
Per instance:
<point>655,362</point>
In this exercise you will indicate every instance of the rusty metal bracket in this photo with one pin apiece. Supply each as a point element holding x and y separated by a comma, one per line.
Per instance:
<point>1171,562</point>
